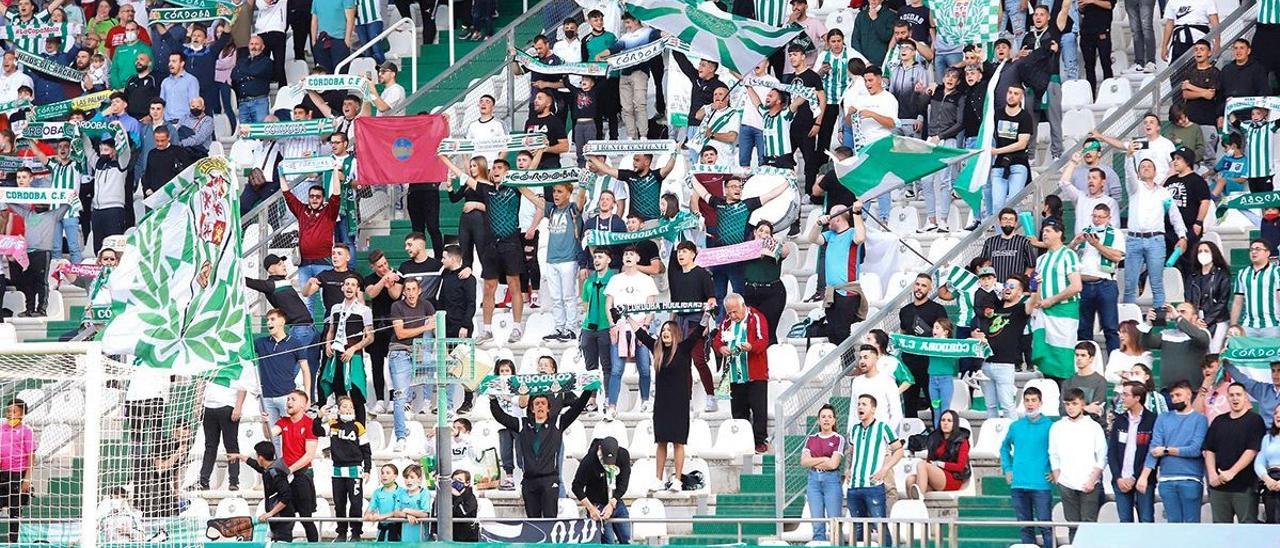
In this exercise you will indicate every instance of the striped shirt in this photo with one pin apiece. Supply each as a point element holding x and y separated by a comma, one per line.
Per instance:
<point>963,285</point>
<point>735,335</point>
<point>1055,269</point>
<point>1259,288</point>
<point>870,444</point>
<point>777,132</point>
<point>1269,12</point>
<point>1259,147</point>
<point>368,11</point>
<point>836,81</point>
<point>30,36</point>
<point>774,12</point>
<point>1009,256</point>
<point>67,177</point>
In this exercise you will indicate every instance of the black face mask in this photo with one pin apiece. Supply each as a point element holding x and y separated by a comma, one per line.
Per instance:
<point>1179,406</point>
<point>571,34</point>
<point>1007,230</point>
<point>197,111</point>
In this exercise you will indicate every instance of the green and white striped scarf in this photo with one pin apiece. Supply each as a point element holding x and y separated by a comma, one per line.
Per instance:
<point>716,121</point>
<point>532,64</point>
<point>14,106</point>
<point>50,131</point>
<point>52,68</point>
<point>193,14</point>
<point>635,56</point>
<point>285,130</point>
<point>963,284</point>
<point>304,166</point>
<point>795,88</point>
<point>62,109</point>
<point>328,82</point>
<point>667,228</point>
<point>37,196</point>
<point>511,143</point>
<point>940,348</point>
<point>675,308</point>
<point>542,177</point>
<point>1107,236</point>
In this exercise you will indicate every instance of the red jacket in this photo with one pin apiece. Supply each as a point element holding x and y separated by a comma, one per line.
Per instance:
<point>315,227</point>
<point>758,337</point>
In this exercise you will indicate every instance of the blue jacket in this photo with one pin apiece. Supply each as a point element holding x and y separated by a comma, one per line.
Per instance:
<point>1025,453</point>
<point>1266,394</point>
<point>1186,434</point>
<point>1120,432</point>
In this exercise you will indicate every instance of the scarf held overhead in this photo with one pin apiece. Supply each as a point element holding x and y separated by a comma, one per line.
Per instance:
<point>514,142</point>
<point>52,68</point>
<point>285,130</point>
<point>529,385</point>
<point>668,228</point>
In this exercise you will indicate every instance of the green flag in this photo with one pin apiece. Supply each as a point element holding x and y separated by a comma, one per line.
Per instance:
<point>964,22</point>
<point>893,161</point>
<point>177,296</point>
<point>737,43</point>
<point>977,172</point>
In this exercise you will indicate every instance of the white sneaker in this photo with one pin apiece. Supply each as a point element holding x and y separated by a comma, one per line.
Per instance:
<point>379,408</point>
<point>712,405</point>
<point>646,406</point>
<point>942,227</point>
<point>606,413</point>
<point>929,227</point>
<point>515,335</point>
<point>1150,68</point>
<point>400,445</point>
<point>484,337</point>
<point>979,376</point>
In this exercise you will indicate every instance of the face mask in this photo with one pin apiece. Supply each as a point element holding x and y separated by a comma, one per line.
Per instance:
<point>1204,258</point>
<point>1269,217</point>
<point>197,111</point>
<point>196,47</point>
<point>1007,230</point>
<point>1033,415</point>
<point>130,37</point>
<point>570,34</point>
<point>13,423</point>
<point>347,417</point>
<point>1179,406</point>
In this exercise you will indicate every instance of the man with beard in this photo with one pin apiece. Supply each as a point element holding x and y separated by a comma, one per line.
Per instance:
<point>917,319</point>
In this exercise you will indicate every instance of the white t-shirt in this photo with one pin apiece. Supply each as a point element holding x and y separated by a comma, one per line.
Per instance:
<point>1091,258</point>
<point>1158,152</point>
<point>269,17</point>
<point>884,104</point>
<point>491,129</point>
<point>1190,12</point>
<point>9,84</point>
<point>884,390</point>
<point>570,51</point>
<point>630,289</point>
<point>216,396</point>
<point>393,95</point>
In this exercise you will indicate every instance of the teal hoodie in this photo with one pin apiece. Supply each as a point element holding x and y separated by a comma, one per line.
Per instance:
<point>1025,453</point>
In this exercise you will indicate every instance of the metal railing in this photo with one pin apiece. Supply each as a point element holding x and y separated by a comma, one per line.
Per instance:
<point>824,381</point>
<point>413,29</point>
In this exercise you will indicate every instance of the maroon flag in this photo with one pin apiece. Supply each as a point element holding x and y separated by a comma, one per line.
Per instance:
<point>400,149</point>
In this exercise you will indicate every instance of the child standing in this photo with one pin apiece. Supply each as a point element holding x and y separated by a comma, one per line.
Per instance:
<point>352,461</point>
<point>415,505</point>
<point>464,507</point>
<point>942,371</point>
<point>1231,168</point>
<point>1258,132</point>
<point>384,503</point>
<point>507,438</point>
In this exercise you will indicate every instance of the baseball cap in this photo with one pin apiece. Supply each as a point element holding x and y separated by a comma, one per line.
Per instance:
<point>986,271</point>
<point>272,260</point>
<point>1185,153</point>
<point>388,65</point>
<point>608,451</point>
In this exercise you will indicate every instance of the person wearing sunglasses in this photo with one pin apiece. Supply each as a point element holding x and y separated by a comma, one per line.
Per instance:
<point>1002,329</point>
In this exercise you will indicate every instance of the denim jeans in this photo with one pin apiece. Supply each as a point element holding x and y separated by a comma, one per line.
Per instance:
<point>1033,505</point>
<point>999,389</point>
<point>941,389</point>
<point>1100,297</point>
<point>305,273</point>
<point>400,366</point>
<point>1181,499</point>
<point>1141,18</point>
<point>823,494</point>
<point>69,228</point>
<point>1069,60</point>
<point>1016,15</point>
<point>1006,182</point>
<point>274,408</point>
<point>1144,504</point>
<point>937,193</point>
<point>619,365</point>
<point>222,105</point>
<point>254,110</point>
<point>866,502</point>
<point>1148,252</point>
<point>943,60</point>
<point>750,138</point>
<point>616,532</point>
<point>367,32</point>
<point>724,276</point>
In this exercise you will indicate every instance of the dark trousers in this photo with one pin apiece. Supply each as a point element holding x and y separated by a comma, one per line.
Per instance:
<point>1100,298</point>
<point>330,51</point>
<point>1187,262</point>
<point>826,127</point>
<point>750,401</point>
<point>35,281</point>
<point>1095,48</point>
<point>107,222</point>
<point>299,20</point>
<point>1270,507</point>
<point>595,346</point>
<point>721,278</point>
<point>423,202</point>
<point>808,149</point>
<point>473,235</point>
<point>348,502</point>
<point>1033,505</point>
<point>658,71</point>
<point>1133,503</point>
<point>275,42</point>
<point>915,399</point>
<point>541,496</point>
<point>217,425</point>
<point>531,279</point>
<point>687,323</point>
<point>841,315</point>
<point>769,299</point>
<point>12,500</point>
<point>1079,506</point>
<point>1260,184</point>
<point>608,109</point>
<point>303,488</point>
<point>378,362</point>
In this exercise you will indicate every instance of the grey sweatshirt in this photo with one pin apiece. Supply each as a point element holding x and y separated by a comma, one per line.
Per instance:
<point>1184,347</point>
<point>42,226</point>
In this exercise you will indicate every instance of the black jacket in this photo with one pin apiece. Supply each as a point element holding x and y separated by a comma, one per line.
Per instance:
<point>959,437</point>
<point>163,165</point>
<point>139,92</point>
<point>251,76</point>
<point>275,484</point>
<point>1211,293</point>
<point>1243,81</point>
<point>465,506</point>
<point>702,90</point>
<point>282,295</point>
<point>458,301</point>
<point>590,482</point>
<point>348,445</point>
<point>544,462</point>
<point>1119,432</point>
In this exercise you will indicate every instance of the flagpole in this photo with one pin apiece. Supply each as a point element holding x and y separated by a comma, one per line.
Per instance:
<point>900,240</point>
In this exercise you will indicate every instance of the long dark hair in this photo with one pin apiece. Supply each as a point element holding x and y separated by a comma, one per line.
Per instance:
<point>660,353</point>
<point>1218,260</point>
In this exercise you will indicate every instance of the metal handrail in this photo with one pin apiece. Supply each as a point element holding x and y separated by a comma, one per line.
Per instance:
<point>383,36</point>
<point>804,395</point>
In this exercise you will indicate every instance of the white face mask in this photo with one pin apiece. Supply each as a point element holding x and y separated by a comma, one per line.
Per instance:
<point>130,36</point>
<point>196,47</point>
<point>344,417</point>
<point>1204,258</point>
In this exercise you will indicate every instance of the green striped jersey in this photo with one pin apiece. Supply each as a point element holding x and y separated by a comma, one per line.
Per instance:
<point>963,285</point>
<point>732,220</point>
<point>66,177</point>
<point>367,12</point>
<point>504,211</point>
<point>777,132</point>
<point>1259,289</point>
<point>772,12</point>
<point>30,36</point>
<point>1258,147</point>
<point>1269,12</point>
<point>733,337</point>
<point>870,444</point>
<point>837,79</point>
<point>1054,269</point>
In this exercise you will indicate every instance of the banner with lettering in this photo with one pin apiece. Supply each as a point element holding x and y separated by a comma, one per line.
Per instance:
<point>37,196</point>
<point>16,248</point>
<point>940,348</point>
<point>526,385</point>
<point>62,109</point>
<point>563,531</point>
<point>284,130</point>
<point>514,142</point>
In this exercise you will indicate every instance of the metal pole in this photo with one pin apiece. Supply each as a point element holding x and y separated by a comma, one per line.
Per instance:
<point>444,435</point>
<point>511,80</point>
<point>413,29</point>
<point>453,38</point>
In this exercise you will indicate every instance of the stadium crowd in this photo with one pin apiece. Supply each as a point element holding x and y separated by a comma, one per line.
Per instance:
<point>1193,422</point>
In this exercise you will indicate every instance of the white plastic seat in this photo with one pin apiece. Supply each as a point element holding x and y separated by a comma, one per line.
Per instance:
<point>575,440</point>
<point>776,389</point>
<point>1173,290</point>
<point>786,321</point>
<point>197,508</point>
<point>898,283</point>
<point>362,65</point>
<point>700,465</point>
<point>872,287</point>
<point>485,509</point>
<point>416,442</point>
<point>536,327</point>
<point>699,438</point>
<point>643,478</point>
<point>401,44</point>
<point>648,508</point>
<point>572,360</point>
<point>1112,92</point>
<point>1076,94</point>
<point>232,506</point>
<point>1049,397</point>
<point>804,530</point>
<point>1129,311</point>
<point>222,126</point>
<point>529,361</point>
<point>55,308</point>
<point>990,437</point>
<point>567,508</point>
<point>322,470</point>
<point>791,286</point>
<point>295,70</point>
<point>1077,123</point>
<point>643,443</point>
<point>815,353</point>
<point>8,334</point>
<point>910,426</point>
<point>615,429</point>
<point>904,219</point>
<point>484,435</point>
<point>960,397</point>
<point>784,364</point>
<point>939,248</point>
<point>734,439</point>
<point>911,511</point>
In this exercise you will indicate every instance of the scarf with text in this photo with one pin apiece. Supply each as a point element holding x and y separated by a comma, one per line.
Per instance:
<point>16,105</point>
<point>667,228</point>
<point>639,146</point>
<point>193,14</point>
<point>328,82</point>
<point>37,196</point>
<point>16,248</point>
<point>48,66</point>
<point>795,88</point>
<point>691,307</point>
<point>542,177</point>
<point>531,385</point>
<point>940,348</point>
<point>532,64</point>
<point>284,130</point>
<point>62,109</point>
<point>730,254</point>
<point>304,166</point>
<point>514,142</point>
<point>1237,104</point>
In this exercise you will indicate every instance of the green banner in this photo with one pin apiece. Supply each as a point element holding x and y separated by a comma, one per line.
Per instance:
<point>1252,200</point>
<point>52,68</point>
<point>667,228</point>
<point>193,14</point>
<point>284,130</point>
<point>62,109</point>
<point>528,385</point>
<point>510,143</point>
<point>542,177</point>
<point>50,131</point>
<point>14,106</point>
<point>1265,350</point>
<point>41,196</point>
<point>941,348</point>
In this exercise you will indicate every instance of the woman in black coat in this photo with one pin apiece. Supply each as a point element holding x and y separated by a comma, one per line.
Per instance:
<point>673,362</point>
<point>1209,289</point>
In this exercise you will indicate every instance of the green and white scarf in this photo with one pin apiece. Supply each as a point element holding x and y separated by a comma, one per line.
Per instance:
<point>52,68</point>
<point>328,82</point>
<point>511,143</point>
<point>640,146</point>
<point>193,14</point>
<point>635,56</point>
<point>542,177</point>
<point>62,109</point>
<point>675,308</point>
<point>940,348</point>
<point>304,166</point>
<point>201,3</point>
<point>14,106</point>
<point>715,121</point>
<point>285,130</point>
<point>529,385</point>
<point>667,228</point>
<point>1264,350</point>
<point>1107,236</point>
<point>50,131</point>
<point>1237,104</point>
<point>1252,200</point>
<point>795,88</point>
<point>532,64</point>
<point>37,196</point>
